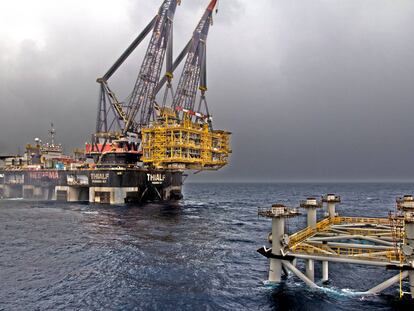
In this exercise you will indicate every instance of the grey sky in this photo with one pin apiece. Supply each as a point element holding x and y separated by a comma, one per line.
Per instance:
<point>312,90</point>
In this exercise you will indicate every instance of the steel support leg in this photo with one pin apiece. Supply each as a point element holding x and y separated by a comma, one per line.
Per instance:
<point>311,216</point>
<point>325,271</point>
<point>299,274</point>
<point>411,282</point>
<point>310,269</point>
<point>278,229</point>
<point>384,285</point>
<point>331,210</point>
<point>275,270</point>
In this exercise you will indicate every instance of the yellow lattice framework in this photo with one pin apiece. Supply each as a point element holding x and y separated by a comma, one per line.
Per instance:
<point>170,143</point>
<point>299,242</point>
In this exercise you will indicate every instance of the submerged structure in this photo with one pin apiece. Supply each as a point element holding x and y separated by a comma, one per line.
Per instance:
<point>386,243</point>
<point>142,145</point>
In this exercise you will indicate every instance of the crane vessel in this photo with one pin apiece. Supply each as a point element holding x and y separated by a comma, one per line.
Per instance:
<point>142,145</point>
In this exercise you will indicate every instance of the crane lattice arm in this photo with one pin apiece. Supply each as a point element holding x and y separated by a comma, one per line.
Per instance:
<point>143,95</point>
<point>194,72</point>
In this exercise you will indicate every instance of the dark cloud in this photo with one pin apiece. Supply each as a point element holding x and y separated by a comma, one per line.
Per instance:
<point>312,90</point>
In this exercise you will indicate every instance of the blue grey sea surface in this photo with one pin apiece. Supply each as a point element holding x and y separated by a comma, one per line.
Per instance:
<point>197,255</point>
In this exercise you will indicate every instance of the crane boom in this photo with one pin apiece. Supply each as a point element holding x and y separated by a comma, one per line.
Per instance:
<point>129,50</point>
<point>115,102</point>
<point>194,72</point>
<point>143,94</point>
<point>173,67</point>
<point>106,93</point>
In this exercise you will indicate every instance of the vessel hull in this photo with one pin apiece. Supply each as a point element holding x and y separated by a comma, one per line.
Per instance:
<point>107,186</point>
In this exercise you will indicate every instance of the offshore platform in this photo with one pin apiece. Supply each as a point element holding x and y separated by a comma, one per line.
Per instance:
<point>386,243</point>
<point>142,145</point>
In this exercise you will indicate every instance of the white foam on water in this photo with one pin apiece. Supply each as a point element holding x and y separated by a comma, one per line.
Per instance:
<point>91,213</point>
<point>192,217</point>
<point>194,203</point>
<point>344,292</point>
<point>339,292</point>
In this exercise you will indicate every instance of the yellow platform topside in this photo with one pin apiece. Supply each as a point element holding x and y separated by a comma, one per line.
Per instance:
<point>173,144</point>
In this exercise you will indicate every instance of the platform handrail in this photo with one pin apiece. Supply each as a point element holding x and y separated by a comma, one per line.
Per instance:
<point>367,220</point>
<point>307,232</point>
